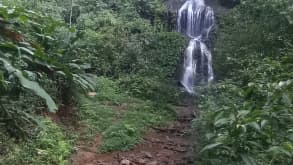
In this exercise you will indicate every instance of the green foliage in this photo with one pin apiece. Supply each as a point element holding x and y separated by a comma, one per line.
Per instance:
<point>30,56</point>
<point>128,131</point>
<point>16,118</point>
<point>254,121</point>
<point>115,38</point>
<point>109,91</point>
<point>95,117</point>
<point>21,55</point>
<point>149,88</point>
<point>60,44</point>
<point>31,85</point>
<point>229,3</point>
<point>162,53</point>
<point>247,116</point>
<point>252,31</point>
<point>122,120</point>
<point>50,146</point>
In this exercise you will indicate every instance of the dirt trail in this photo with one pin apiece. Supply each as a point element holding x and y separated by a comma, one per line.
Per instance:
<point>160,146</point>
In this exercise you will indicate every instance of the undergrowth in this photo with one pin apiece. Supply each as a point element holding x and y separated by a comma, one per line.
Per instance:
<point>121,120</point>
<point>53,49</point>
<point>246,116</point>
<point>127,132</point>
<point>49,146</point>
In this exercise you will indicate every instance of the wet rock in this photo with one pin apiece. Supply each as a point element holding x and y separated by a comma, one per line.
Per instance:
<point>86,156</point>
<point>165,153</point>
<point>155,140</point>
<point>229,3</point>
<point>125,162</point>
<point>132,156</point>
<point>147,154</point>
<point>141,161</point>
<point>99,162</point>
<point>153,163</point>
<point>92,94</point>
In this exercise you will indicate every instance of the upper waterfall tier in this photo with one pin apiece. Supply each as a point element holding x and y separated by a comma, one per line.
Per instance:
<point>195,18</point>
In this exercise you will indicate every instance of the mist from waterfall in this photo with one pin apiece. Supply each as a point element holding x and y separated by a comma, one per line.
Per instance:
<point>196,20</point>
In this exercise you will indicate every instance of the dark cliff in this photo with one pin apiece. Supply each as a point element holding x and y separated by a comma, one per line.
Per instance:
<point>220,6</point>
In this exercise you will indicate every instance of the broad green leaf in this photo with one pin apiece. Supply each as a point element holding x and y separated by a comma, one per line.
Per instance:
<point>255,125</point>
<point>221,122</point>
<point>248,160</point>
<point>286,100</point>
<point>243,113</point>
<point>263,123</point>
<point>31,85</point>
<point>210,146</point>
<point>26,50</point>
<point>279,150</point>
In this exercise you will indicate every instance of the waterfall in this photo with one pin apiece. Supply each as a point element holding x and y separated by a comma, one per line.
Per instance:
<point>196,20</point>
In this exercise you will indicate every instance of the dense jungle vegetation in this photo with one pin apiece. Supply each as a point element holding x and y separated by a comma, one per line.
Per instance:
<point>81,59</point>
<point>52,53</point>
<point>246,116</point>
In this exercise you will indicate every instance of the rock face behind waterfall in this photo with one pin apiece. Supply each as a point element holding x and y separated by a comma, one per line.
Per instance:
<point>196,21</point>
<point>220,7</point>
<point>174,5</point>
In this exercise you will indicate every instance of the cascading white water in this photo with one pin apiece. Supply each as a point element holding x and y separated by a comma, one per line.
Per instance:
<point>196,20</point>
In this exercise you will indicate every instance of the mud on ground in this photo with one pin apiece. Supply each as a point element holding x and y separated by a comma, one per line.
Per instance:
<point>171,145</point>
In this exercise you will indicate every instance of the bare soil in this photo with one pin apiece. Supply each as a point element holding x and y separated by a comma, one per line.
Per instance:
<point>171,145</point>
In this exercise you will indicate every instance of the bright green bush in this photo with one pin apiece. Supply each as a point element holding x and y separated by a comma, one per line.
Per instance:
<point>49,146</point>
